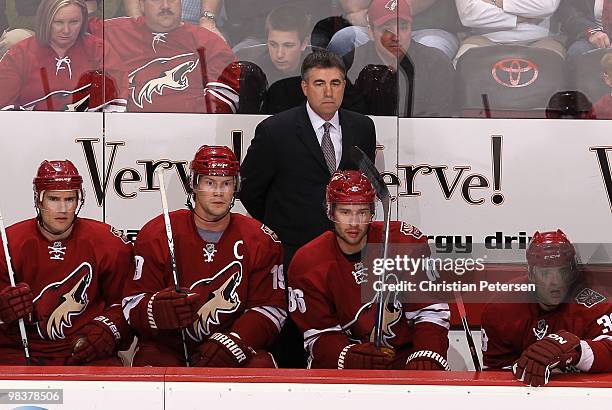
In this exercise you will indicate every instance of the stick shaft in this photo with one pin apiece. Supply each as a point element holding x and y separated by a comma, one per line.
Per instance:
<point>164,199</point>
<point>11,274</point>
<point>468,333</point>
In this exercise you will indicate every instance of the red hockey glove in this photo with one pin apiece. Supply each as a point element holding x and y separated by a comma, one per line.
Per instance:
<point>97,340</point>
<point>15,302</point>
<point>555,350</point>
<point>222,350</point>
<point>168,309</point>
<point>365,356</point>
<point>426,360</point>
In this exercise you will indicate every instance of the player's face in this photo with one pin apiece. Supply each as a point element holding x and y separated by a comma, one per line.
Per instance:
<point>392,38</point>
<point>351,223</point>
<point>552,285</point>
<point>324,90</point>
<point>66,26</point>
<point>57,210</point>
<point>161,16</point>
<point>213,195</point>
<point>285,49</point>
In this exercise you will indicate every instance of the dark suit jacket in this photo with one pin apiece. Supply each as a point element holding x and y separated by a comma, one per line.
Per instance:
<point>284,174</point>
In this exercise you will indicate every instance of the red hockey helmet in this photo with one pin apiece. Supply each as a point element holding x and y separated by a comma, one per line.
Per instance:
<point>57,175</point>
<point>215,160</point>
<point>348,187</point>
<point>550,249</point>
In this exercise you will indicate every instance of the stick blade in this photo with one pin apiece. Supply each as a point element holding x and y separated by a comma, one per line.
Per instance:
<point>369,170</point>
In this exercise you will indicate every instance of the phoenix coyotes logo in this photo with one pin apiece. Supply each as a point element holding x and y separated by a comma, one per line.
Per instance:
<point>59,302</point>
<point>224,299</point>
<point>161,73</point>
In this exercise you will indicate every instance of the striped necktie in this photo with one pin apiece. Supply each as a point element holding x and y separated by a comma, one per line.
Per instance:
<point>328,149</point>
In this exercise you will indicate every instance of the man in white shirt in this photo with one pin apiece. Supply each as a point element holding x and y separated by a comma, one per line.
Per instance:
<point>517,22</point>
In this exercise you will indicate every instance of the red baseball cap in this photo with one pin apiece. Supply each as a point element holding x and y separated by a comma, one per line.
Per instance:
<point>381,11</point>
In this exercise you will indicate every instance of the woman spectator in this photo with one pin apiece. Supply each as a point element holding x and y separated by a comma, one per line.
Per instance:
<point>586,23</point>
<point>60,68</point>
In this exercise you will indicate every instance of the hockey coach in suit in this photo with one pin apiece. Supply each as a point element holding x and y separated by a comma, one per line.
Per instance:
<point>290,161</point>
<point>295,152</point>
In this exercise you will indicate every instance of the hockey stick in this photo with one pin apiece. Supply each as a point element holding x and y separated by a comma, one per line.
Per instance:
<point>466,328</point>
<point>11,273</point>
<point>382,192</point>
<point>162,191</point>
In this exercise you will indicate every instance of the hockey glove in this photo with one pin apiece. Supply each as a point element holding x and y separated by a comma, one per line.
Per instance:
<point>97,340</point>
<point>168,309</point>
<point>426,360</point>
<point>15,302</point>
<point>555,350</point>
<point>364,356</point>
<point>222,350</point>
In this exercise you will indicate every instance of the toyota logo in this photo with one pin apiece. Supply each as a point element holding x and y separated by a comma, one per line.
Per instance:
<point>515,72</point>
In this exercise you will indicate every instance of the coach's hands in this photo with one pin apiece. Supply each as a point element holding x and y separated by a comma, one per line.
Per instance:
<point>559,349</point>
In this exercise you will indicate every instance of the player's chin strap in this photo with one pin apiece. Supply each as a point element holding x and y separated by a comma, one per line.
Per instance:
<point>42,224</point>
<point>190,206</point>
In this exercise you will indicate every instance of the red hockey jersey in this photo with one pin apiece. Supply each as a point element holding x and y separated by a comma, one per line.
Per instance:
<point>508,329</point>
<point>33,77</point>
<point>73,281</point>
<point>187,70</point>
<point>241,272</point>
<point>326,298</point>
<point>602,109</point>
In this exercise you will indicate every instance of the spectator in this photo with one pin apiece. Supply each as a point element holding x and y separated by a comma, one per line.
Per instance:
<point>58,69</point>
<point>583,22</point>
<point>421,85</point>
<point>603,107</point>
<point>244,24</point>
<point>494,22</point>
<point>433,25</point>
<point>171,66</point>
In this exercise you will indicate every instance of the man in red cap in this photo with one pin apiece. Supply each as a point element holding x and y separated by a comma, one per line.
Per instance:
<point>229,301</point>
<point>567,328</point>
<point>70,273</point>
<point>328,277</point>
<point>397,75</point>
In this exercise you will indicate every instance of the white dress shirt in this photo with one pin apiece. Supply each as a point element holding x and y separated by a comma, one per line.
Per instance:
<point>335,131</point>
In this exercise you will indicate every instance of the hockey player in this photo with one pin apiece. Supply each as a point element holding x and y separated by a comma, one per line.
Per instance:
<point>326,280</point>
<point>71,271</point>
<point>232,304</point>
<point>171,66</point>
<point>569,327</point>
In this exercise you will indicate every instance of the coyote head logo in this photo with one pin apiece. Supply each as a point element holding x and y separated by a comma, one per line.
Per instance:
<point>59,302</point>
<point>161,73</point>
<point>224,299</point>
